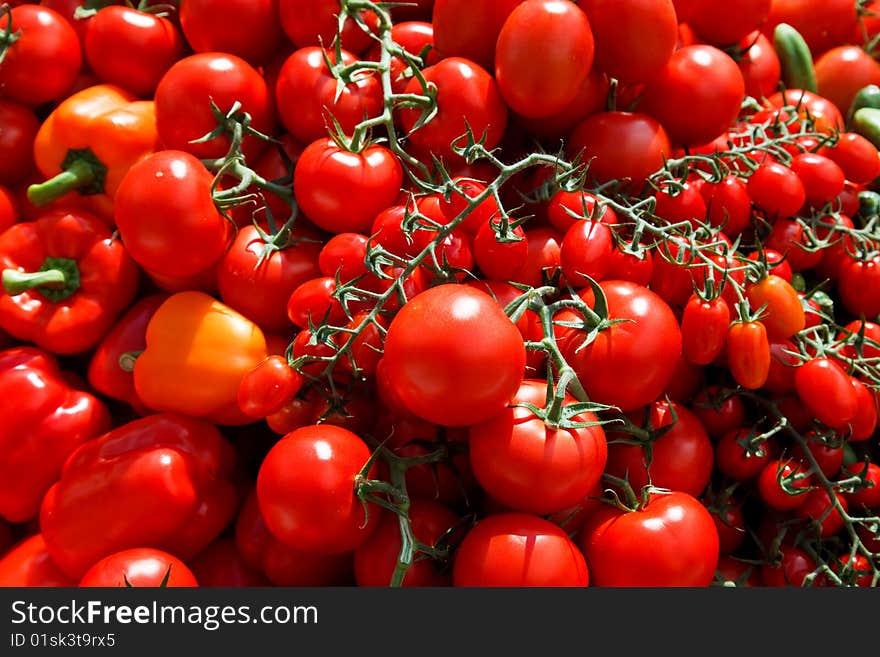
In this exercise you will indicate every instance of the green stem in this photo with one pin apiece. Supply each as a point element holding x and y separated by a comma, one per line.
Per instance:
<point>79,174</point>
<point>16,282</point>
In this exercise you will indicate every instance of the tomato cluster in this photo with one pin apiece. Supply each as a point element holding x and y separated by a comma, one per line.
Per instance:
<point>445,293</point>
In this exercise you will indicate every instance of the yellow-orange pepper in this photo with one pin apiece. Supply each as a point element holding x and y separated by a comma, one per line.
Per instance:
<point>197,351</point>
<point>89,142</point>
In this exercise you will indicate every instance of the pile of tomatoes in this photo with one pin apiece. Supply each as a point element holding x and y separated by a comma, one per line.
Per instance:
<point>439,293</point>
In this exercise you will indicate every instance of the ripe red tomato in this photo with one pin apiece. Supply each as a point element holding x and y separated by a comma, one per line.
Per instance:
<point>649,344</point>
<point>470,29</point>
<point>696,96</point>
<point>518,550</point>
<point>266,388</point>
<point>826,391</point>
<point>735,458</point>
<point>634,38</point>
<point>630,548</point>
<point>522,58</point>
<point>858,286</point>
<point>306,490</point>
<point>704,328</point>
<point>760,65</point>
<point>371,178</point>
<point>28,564</point>
<point>139,567</point>
<point>823,23</point>
<point>719,412</point>
<point>530,466</point>
<point>783,315</point>
<point>246,28</point>
<point>453,357</point>
<point>748,354</point>
<point>725,24</point>
<point>20,126</point>
<point>586,252</point>
<point>770,487</point>
<point>316,22</point>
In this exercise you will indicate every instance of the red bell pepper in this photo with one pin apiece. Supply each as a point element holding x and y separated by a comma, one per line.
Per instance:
<point>29,565</point>
<point>65,281</point>
<point>164,481</point>
<point>42,421</point>
<point>110,368</point>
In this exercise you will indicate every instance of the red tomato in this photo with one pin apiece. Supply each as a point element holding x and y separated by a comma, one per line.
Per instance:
<point>221,565</point>
<point>518,550</point>
<point>736,458</point>
<point>246,28</point>
<point>586,252</point>
<point>770,485</point>
<point>316,22</point>
<point>42,64</point>
<point>306,491</point>
<point>790,569</point>
<point>634,38</point>
<point>729,205</point>
<point>825,390</point>
<point>522,58</point>
<point>139,567</point>
<point>649,344</point>
<point>132,49</point>
<point>704,328</point>
<point>533,467</point>
<point>725,24</point>
<point>20,126</point>
<point>28,564</point>
<point>783,314</point>
<point>470,29</point>
<point>620,146</point>
<point>453,357</point>
<point>371,178</point>
<point>308,99</point>
<point>788,238</point>
<point>760,65</point>
<point>375,560</point>
<point>185,93</point>
<point>822,178</point>
<point>719,412</point>
<point>499,260</point>
<point>858,286</point>
<point>591,98</point>
<point>856,156</point>
<point>868,496</point>
<point>823,23</point>
<point>467,95</point>
<point>679,459</point>
<point>671,541</point>
<point>818,507</point>
<point>265,389</point>
<point>748,354</point>
<point>696,96</point>
<point>819,110</point>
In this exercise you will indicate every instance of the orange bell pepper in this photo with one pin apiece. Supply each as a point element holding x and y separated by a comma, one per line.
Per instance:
<point>198,349</point>
<point>89,142</point>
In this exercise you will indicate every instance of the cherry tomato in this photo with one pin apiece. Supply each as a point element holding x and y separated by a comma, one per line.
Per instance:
<point>139,567</point>
<point>704,328</point>
<point>748,354</point>
<point>826,391</point>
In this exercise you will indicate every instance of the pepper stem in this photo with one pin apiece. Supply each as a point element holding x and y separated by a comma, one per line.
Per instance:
<point>56,280</point>
<point>82,171</point>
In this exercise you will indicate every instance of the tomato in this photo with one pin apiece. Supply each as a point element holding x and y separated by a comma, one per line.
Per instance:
<point>770,487</point>
<point>783,315</point>
<point>858,286</point>
<point>727,24</point>
<point>372,177</point>
<point>518,550</point>
<point>729,205</point>
<point>634,38</point>
<point>868,496</point>
<point>522,58</point>
<point>591,98</point>
<point>760,65</point>
<point>854,571</point>
<point>649,344</point>
<point>818,507</point>
<point>842,71</point>
<point>246,28</point>
<point>139,567</point>
<point>221,565</point>
<point>414,37</point>
<point>542,262</point>
<point>790,569</point>
<point>780,378</point>
<point>132,49</point>
<point>679,459</point>
<point>316,22</point>
<point>531,466</point>
<point>259,287</point>
<point>823,23</point>
<point>823,114</point>
<point>678,205</point>
<point>586,252</point>
<point>453,357</point>
<point>467,95</point>
<point>308,99</point>
<point>735,458</point>
<point>42,64</point>
<point>20,126</point>
<point>306,490</point>
<point>165,201</point>
<point>185,93</point>
<point>732,571</point>
<point>822,178</point>
<point>828,457</point>
<point>730,524</point>
<point>636,268</point>
<point>719,412</point>
<point>470,29</point>
<point>670,542</point>
<point>748,354</point>
<point>267,387</point>
<point>856,156</point>
<point>499,260</point>
<point>565,209</point>
<point>696,96</point>
<point>864,424</point>
<point>620,146</point>
<point>431,522</point>
<point>704,327</point>
<point>826,391</point>
<point>28,564</point>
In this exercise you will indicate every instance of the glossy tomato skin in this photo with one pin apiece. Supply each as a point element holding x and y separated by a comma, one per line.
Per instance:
<point>704,326</point>
<point>139,567</point>
<point>28,564</point>
<point>518,550</point>
<point>453,357</point>
<point>825,389</point>
<point>371,177</point>
<point>522,58</point>
<point>748,354</point>
<point>531,467</point>
<point>132,49</point>
<point>634,38</point>
<point>473,37</point>
<point>246,28</point>
<point>649,345</point>
<point>696,96</point>
<point>306,490</point>
<point>672,541</point>
<point>760,66</point>
<point>165,201</point>
<point>42,65</point>
<point>736,458</point>
<point>266,388</point>
<point>20,126</point>
<point>315,22</point>
<point>183,103</point>
<point>725,24</point>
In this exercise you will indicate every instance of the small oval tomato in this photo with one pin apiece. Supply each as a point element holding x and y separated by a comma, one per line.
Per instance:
<point>783,314</point>
<point>748,354</point>
<point>671,541</point>
<point>790,569</point>
<point>770,485</point>
<point>586,252</point>
<point>867,496</point>
<point>518,550</point>
<point>825,390</point>
<point>858,286</point>
<point>718,411</point>
<point>266,388</point>
<point>776,190</point>
<point>736,458</point>
<point>819,508</point>
<point>139,567</point>
<point>704,328</point>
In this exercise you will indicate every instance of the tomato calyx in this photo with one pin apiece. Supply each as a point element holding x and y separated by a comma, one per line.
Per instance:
<point>56,280</point>
<point>8,37</point>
